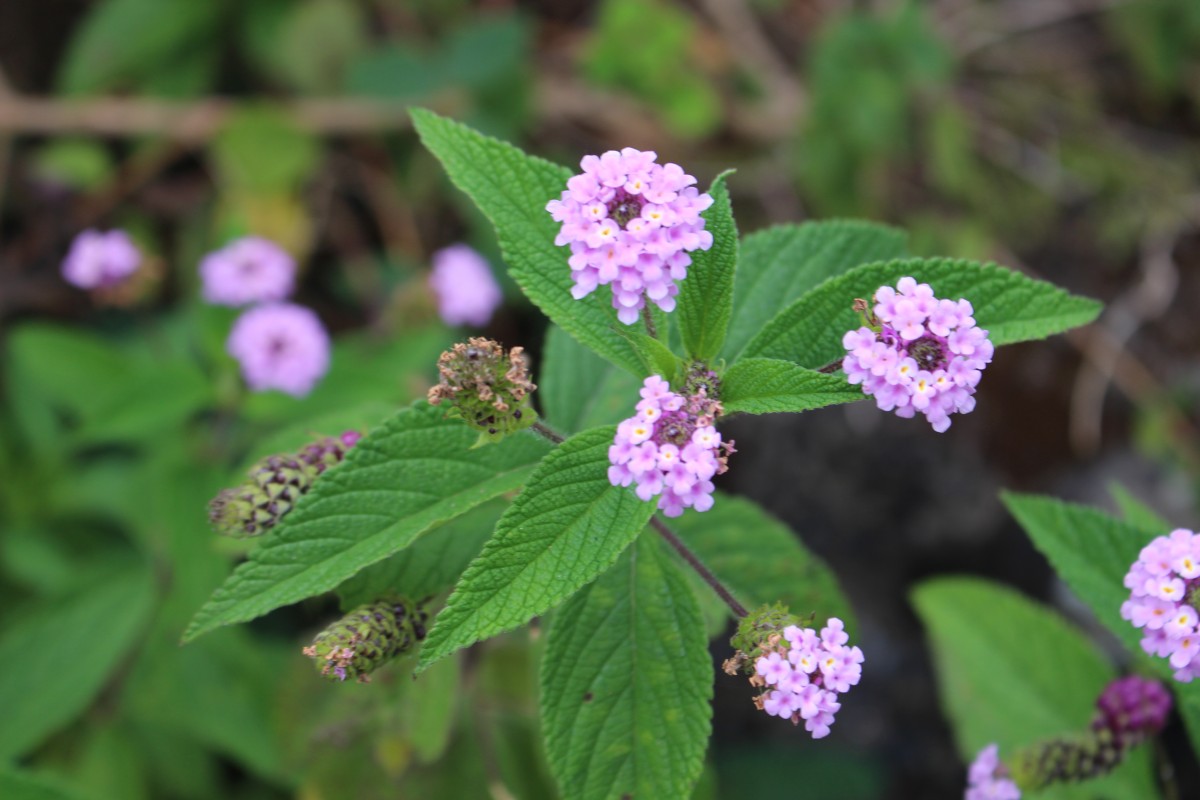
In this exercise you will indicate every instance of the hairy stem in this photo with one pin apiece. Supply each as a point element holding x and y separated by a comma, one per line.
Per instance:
<point>737,608</point>
<point>831,367</point>
<point>648,318</point>
<point>544,430</point>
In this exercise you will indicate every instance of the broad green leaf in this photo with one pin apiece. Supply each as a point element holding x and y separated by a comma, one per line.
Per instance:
<point>27,785</point>
<point>58,657</point>
<point>1010,306</point>
<point>429,565</point>
<point>433,701</point>
<point>761,561</point>
<point>778,265</point>
<point>656,358</point>
<point>512,189</point>
<point>1136,512</point>
<point>1092,553</point>
<point>1011,672</point>
<point>626,683</point>
<point>75,370</point>
<point>404,477</point>
<point>706,295</point>
<point>566,527</point>
<point>578,389</point>
<point>772,386</point>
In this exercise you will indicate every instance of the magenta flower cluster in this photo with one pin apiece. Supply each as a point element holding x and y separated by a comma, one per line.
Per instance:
<point>247,271</point>
<point>1132,708</point>
<point>987,779</point>
<point>467,294</point>
<point>1162,587</point>
<point>808,674</point>
<point>670,449</point>
<point>98,259</point>
<point>631,223</point>
<point>280,346</point>
<point>918,353</point>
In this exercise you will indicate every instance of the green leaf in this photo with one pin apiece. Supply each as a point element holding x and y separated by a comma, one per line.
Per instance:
<point>1136,512</point>
<point>706,295</point>
<point>578,389</point>
<point>1011,672</point>
<point>1010,306</point>
<point>626,683</point>
<point>566,527</point>
<point>24,785</point>
<point>260,149</point>
<point>656,357</point>
<point>432,703</point>
<point>771,386</point>
<point>761,560</point>
<point>404,477</point>
<point>512,189</point>
<point>58,657</point>
<point>778,265</point>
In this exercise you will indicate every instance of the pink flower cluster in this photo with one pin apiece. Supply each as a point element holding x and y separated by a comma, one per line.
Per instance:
<point>670,448</point>
<point>630,223</point>
<point>1161,584</point>
<point>987,778</point>
<point>808,675</point>
<point>245,271</point>
<point>467,294</point>
<point>280,346</point>
<point>918,353</point>
<point>98,260</point>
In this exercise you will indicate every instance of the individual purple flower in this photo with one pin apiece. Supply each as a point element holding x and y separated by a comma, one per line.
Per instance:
<point>280,346</point>
<point>630,223</point>
<point>987,779</point>
<point>247,271</point>
<point>917,353</point>
<point>1164,588</point>
<point>467,293</point>
<point>670,448</point>
<point>99,260</point>
<point>806,673</point>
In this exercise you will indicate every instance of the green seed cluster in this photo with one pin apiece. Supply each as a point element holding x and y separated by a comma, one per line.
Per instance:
<point>366,638</point>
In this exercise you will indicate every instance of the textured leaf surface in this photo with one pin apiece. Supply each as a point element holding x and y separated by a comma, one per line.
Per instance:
<point>404,477</point>
<point>58,657</point>
<point>761,560</point>
<point>1011,672</point>
<point>626,683</point>
<point>567,526</point>
<point>778,265</point>
<point>1012,307</point>
<point>706,295</point>
<point>579,389</point>
<point>512,189</point>
<point>22,785</point>
<point>772,386</point>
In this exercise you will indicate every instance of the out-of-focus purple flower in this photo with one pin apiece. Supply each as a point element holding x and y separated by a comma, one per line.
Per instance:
<point>1164,584</point>
<point>467,293</point>
<point>630,223</point>
<point>1132,708</point>
<point>987,779</point>
<point>98,259</point>
<point>919,353</point>
<point>247,271</point>
<point>280,346</point>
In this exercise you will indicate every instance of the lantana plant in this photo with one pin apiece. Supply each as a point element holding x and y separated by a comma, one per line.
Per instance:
<point>617,536</point>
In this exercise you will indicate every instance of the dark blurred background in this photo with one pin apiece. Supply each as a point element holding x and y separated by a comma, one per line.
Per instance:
<point>1057,137</point>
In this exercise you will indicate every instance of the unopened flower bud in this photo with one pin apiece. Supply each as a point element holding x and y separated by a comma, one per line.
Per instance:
<point>274,486</point>
<point>488,389</point>
<point>367,638</point>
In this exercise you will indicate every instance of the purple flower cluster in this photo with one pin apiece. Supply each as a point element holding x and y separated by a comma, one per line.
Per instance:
<point>467,294</point>
<point>246,271</point>
<point>1163,585</point>
<point>630,223</point>
<point>1132,708</point>
<point>99,260</point>
<point>670,448</point>
<point>918,353</point>
<point>280,346</point>
<point>987,778</point>
<point>808,675</point>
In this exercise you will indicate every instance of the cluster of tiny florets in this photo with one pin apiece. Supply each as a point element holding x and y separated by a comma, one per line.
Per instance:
<point>100,260</point>
<point>1164,589</point>
<point>280,346</point>
<point>670,448</point>
<point>366,638</point>
<point>1131,709</point>
<point>247,271</point>
<point>466,291</point>
<point>917,353</point>
<point>630,223</point>
<point>987,778</point>
<point>488,389</point>
<point>803,673</point>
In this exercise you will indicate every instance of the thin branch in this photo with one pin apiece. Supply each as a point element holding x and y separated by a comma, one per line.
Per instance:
<point>545,431</point>
<point>661,527</point>
<point>648,318</point>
